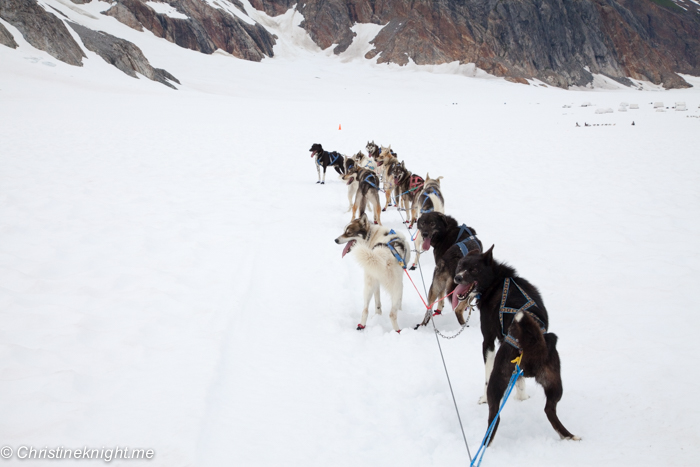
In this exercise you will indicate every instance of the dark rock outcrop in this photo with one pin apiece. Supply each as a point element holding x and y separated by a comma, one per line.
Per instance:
<point>122,54</point>
<point>206,28</point>
<point>6,38</point>
<point>560,42</point>
<point>42,29</point>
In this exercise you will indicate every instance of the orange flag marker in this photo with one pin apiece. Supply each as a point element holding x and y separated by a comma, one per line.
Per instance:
<point>339,127</point>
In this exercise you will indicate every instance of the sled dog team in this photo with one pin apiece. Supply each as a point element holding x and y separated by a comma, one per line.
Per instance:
<point>511,309</point>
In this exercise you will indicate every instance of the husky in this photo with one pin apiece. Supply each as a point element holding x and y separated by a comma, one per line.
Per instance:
<point>512,312</point>
<point>366,162</point>
<point>407,187</point>
<point>383,254</point>
<point>430,199</point>
<point>324,159</point>
<point>372,149</point>
<point>385,163</point>
<point>450,243</point>
<point>363,185</point>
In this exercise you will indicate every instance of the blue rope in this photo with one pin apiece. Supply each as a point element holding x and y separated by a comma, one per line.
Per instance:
<point>487,437</point>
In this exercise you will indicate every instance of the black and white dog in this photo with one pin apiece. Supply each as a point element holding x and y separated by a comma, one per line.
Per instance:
<point>450,243</point>
<point>383,254</point>
<point>512,312</point>
<point>324,159</point>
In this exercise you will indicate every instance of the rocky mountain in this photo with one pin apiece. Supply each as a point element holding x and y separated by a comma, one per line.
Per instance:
<point>560,42</point>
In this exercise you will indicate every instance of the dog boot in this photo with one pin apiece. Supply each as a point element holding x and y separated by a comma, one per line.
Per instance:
<point>360,327</point>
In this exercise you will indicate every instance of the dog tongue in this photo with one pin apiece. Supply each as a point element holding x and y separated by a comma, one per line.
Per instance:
<point>347,247</point>
<point>461,289</point>
<point>426,244</point>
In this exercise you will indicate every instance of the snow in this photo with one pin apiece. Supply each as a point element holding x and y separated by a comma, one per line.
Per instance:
<point>169,280</point>
<point>166,9</point>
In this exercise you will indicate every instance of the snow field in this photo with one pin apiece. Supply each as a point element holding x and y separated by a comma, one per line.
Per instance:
<point>168,276</point>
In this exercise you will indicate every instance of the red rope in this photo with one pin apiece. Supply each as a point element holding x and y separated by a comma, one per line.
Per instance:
<point>421,297</point>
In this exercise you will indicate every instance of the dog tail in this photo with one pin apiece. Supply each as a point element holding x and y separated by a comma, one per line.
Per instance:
<point>551,339</point>
<point>438,205</point>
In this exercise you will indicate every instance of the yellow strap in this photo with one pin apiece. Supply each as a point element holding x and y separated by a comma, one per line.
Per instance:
<point>518,359</point>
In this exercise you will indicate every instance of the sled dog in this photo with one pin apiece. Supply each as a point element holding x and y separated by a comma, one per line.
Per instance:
<point>430,199</point>
<point>450,243</point>
<point>407,186</point>
<point>363,185</point>
<point>324,159</point>
<point>382,253</point>
<point>512,312</point>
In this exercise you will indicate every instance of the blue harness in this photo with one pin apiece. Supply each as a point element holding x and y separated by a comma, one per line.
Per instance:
<point>367,180</point>
<point>393,249</point>
<point>334,156</point>
<point>470,239</point>
<point>503,309</point>
<point>425,200</point>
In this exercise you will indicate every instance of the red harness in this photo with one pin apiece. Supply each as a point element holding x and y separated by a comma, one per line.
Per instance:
<point>416,182</point>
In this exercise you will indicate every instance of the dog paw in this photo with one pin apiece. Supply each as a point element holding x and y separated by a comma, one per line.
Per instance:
<point>384,210</point>
<point>323,183</point>
<point>412,268</point>
<point>575,438</point>
<point>360,327</point>
<point>521,396</point>
<point>483,400</point>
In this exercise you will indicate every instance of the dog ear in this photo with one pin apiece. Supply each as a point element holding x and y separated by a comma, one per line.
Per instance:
<point>427,176</point>
<point>403,165</point>
<point>473,253</point>
<point>364,220</point>
<point>488,256</point>
<point>439,178</point>
<point>441,216</point>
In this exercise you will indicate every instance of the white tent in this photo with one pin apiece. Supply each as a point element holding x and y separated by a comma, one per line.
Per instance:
<point>586,104</point>
<point>604,110</point>
<point>658,105</point>
<point>680,107</point>
<point>634,106</point>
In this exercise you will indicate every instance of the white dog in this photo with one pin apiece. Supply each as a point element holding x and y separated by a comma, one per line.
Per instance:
<point>383,254</point>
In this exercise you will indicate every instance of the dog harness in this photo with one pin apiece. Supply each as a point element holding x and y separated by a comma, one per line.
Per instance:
<point>470,240</point>
<point>425,194</point>
<point>392,248</point>
<point>367,180</point>
<point>503,309</point>
<point>416,183</point>
<point>334,156</point>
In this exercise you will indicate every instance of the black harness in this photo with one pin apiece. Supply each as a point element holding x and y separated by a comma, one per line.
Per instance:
<point>503,309</point>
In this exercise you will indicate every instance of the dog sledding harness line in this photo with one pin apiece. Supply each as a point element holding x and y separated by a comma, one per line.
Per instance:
<point>425,200</point>
<point>470,239</point>
<point>503,309</point>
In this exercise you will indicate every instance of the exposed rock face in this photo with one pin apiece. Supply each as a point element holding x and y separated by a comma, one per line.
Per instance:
<point>80,2</point>
<point>122,54</point>
<point>42,29</point>
<point>6,38</point>
<point>556,41</point>
<point>206,29</point>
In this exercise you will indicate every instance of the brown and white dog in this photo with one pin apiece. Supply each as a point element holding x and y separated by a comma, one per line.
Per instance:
<point>363,185</point>
<point>376,248</point>
<point>430,199</point>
